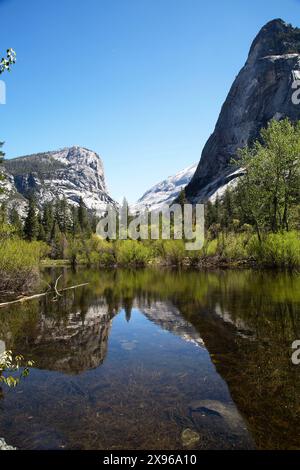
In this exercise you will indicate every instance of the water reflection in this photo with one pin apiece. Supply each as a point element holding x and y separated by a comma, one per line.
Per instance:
<point>246,322</point>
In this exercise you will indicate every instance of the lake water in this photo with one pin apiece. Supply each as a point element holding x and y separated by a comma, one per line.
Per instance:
<point>136,358</point>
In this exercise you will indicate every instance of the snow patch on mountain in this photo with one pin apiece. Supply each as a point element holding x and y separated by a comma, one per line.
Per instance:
<point>73,173</point>
<point>165,192</point>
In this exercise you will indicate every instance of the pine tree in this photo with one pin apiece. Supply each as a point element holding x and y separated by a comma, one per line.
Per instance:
<point>41,233</point>
<point>94,221</point>
<point>217,209</point>
<point>31,225</point>
<point>62,215</point>
<point>182,199</point>
<point>227,209</point>
<point>48,220</point>
<point>55,242</point>
<point>75,227</point>
<point>16,222</point>
<point>83,219</point>
<point>210,214</point>
<point>3,214</point>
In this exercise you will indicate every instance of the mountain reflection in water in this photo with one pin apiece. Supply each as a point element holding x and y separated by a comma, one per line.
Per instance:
<point>136,357</point>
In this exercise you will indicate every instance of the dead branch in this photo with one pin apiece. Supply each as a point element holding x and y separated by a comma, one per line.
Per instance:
<point>55,289</point>
<point>36,296</point>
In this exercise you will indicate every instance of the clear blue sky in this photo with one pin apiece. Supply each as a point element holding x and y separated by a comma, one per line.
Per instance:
<point>139,81</point>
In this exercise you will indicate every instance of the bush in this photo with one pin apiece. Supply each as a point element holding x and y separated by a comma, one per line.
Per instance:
<point>281,250</point>
<point>173,252</point>
<point>19,261</point>
<point>235,246</point>
<point>132,252</point>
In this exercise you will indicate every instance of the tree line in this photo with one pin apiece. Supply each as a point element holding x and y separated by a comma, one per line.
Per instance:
<point>56,223</point>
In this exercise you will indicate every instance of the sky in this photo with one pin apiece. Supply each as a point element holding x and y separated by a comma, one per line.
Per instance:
<point>141,82</point>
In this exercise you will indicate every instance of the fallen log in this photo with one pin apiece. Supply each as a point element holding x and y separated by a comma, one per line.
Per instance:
<point>36,296</point>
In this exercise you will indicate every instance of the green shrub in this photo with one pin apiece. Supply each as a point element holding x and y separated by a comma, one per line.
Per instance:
<point>20,255</point>
<point>132,252</point>
<point>211,247</point>
<point>19,261</point>
<point>173,252</point>
<point>281,250</point>
<point>235,246</point>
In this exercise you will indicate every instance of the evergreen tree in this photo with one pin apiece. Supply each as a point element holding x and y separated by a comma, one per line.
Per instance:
<point>210,214</point>
<point>217,209</point>
<point>31,225</point>
<point>55,242</point>
<point>16,222</point>
<point>3,214</point>
<point>227,209</point>
<point>94,219</point>
<point>75,227</point>
<point>41,232</point>
<point>182,199</point>
<point>48,220</point>
<point>83,219</point>
<point>62,215</point>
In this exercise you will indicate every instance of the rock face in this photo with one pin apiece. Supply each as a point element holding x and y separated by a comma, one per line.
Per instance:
<point>164,192</point>
<point>71,172</point>
<point>262,91</point>
<point>10,195</point>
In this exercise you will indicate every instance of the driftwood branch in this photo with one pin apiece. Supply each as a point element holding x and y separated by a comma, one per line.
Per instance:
<point>36,296</point>
<point>55,288</point>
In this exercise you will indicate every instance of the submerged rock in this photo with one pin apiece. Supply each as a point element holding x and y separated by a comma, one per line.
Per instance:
<point>4,446</point>
<point>189,437</point>
<point>214,408</point>
<point>128,345</point>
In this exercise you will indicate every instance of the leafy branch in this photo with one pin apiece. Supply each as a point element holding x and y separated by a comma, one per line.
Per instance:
<point>8,61</point>
<point>10,364</point>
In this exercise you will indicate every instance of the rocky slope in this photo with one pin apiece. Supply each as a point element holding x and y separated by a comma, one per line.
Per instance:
<point>261,91</point>
<point>164,192</point>
<point>71,172</point>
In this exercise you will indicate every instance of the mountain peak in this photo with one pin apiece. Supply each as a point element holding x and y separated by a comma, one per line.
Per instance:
<point>262,91</point>
<point>72,172</point>
<point>165,192</point>
<point>275,38</point>
<point>76,152</point>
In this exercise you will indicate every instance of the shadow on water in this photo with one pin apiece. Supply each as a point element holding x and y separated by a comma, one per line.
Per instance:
<point>137,357</point>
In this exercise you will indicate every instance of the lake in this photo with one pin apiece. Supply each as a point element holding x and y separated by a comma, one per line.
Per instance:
<point>156,359</point>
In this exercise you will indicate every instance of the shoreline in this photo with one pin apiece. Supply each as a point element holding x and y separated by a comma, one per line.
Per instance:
<point>212,263</point>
